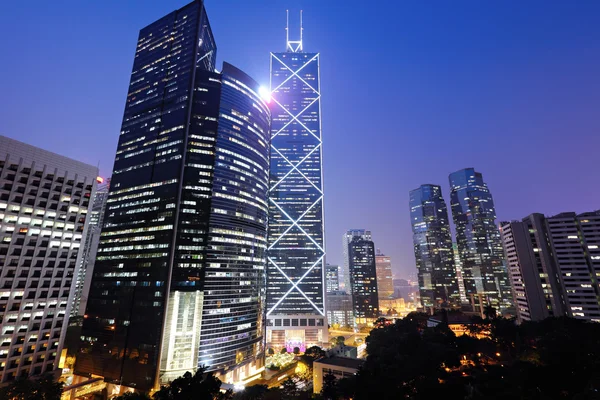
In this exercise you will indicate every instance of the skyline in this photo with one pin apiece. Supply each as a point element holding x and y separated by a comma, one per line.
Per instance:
<point>453,76</point>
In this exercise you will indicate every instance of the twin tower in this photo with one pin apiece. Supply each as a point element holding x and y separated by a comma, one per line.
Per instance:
<point>213,230</point>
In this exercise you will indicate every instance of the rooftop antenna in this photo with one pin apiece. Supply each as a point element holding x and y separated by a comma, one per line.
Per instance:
<point>294,46</point>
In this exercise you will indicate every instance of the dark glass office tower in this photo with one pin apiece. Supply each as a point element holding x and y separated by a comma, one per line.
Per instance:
<point>295,268</point>
<point>179,275</point>
<point>363,280</point>
<point>478,238</point>
<point>433,248</point>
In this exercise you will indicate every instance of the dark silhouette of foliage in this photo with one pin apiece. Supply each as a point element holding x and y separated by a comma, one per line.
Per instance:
<point>200,386</point>
<point>132,396</point>
<point>44,388</point>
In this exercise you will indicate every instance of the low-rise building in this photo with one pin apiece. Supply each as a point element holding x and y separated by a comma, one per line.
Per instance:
<point>340,367</point>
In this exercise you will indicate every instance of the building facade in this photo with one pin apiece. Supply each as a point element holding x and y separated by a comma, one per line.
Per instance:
<point>179,277</point>
<point>432,241</point>
<point>479,245</point>
<point>340,309</point>
<point>347,237</point>
<point>385,283</point>
<point>296,252</point>
<point>44,204</point>
<point>575,240</point>
<point>555,265</point>
<point>332,278</point>
<point>363,280</point>
<point>83,276</point>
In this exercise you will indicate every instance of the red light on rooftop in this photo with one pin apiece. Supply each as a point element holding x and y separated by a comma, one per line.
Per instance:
<point>99,179</point>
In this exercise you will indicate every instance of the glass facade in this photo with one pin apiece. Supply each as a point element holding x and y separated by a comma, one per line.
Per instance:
<point>295,267</point>
<point>178,279</point>
<point>85,269</point>
<point>332,278</point>
<point>478,239</point>
<point>434,256</point>
<point>363,279</point>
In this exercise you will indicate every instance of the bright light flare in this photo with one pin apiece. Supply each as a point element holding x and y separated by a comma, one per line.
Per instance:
<point>265,94</point>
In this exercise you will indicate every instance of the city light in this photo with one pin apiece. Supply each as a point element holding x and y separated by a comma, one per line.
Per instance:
<point>265,93</point>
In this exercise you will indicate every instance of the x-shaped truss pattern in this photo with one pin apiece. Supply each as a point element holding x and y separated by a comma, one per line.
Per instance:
<point>293,170</point>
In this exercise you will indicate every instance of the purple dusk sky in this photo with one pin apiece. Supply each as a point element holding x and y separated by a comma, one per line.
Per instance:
<point>412,91</point>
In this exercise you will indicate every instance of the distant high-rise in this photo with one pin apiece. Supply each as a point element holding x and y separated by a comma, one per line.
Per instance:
<point>332,278</point>
<point>347,237</point>
<point>532,268</point>
<point>296,252</point>
<point>478,239</point>
<point>340,309</point>
<point>385,283</point>
<point>85,269</point>
<point>179,276</point>
<point>432,242</point>
<point>363,279</point>
<point>44,208</point>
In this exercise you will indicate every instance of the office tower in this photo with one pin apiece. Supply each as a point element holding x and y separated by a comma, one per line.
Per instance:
<point>478,239</point>
<point>296,263</point>
<point>438,286</point>
<point>555,264</point>
<point>459,274</point>
<point>340,309</point>
<point>44,201</point>
<point>83,275</point>
<point>363,279</point>
<point>575,240</point>
<point>345,270</point>
<point>385,284</point>
<point>532,269</point>
<point>178,280</point>
<point>332,278</point>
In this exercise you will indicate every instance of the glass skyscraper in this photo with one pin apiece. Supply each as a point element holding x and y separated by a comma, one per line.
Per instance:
<point>179,276</point>
<point>363,279</point>
<point>295,267</point>
<point>478,239</point>
<point>432,242</point>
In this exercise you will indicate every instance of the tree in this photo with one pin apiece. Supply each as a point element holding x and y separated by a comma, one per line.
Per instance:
<point>270,351</point>
<point>340,340</point>
<point>312,354</point>
<point>283,351</point>
<point>289,389</point>
<point>44,388</point>
<point>132,396</point>
<point>200,386</point>
<point>490,312</point>
<point>329,390</point>
<point>296,350</point>
<point>255,392</point>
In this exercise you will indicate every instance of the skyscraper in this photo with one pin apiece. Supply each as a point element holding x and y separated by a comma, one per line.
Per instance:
<point>83,276</point>
<point>385,283</point>
<point>575,240</point>
<point>44,203</point>
<point>295,268</point>
<point>178,280</point>
<point>478,239</point>
<point>532,269</point>
<point>332,278</point>
<point>363,279</point>
<point>432,241</point>
<point>347,237</point>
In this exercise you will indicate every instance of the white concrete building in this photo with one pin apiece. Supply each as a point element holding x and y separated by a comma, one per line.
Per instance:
<point>44,200</point>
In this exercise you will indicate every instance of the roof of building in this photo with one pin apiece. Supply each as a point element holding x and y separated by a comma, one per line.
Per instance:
<point>342,362</point>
